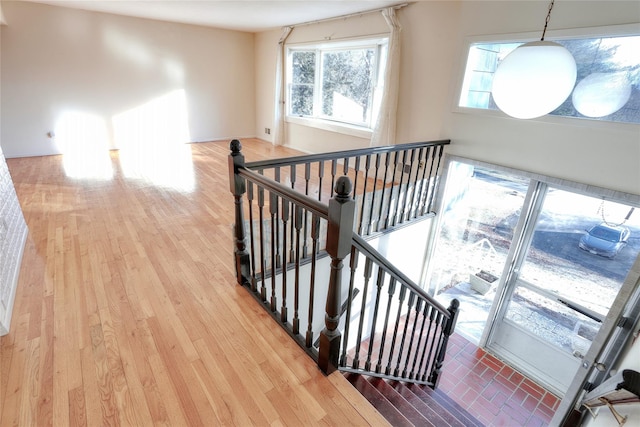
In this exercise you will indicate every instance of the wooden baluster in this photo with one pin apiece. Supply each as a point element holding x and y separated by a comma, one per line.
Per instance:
<point>307,178</point>
<point>384,191</point>
<point>372,217</point>
<point>356,170</point>
<point>237,186</point>
<point>277,254</point>
<point>413,374</point>
<point>379,285</point>
<point>315,233</point>
<point>412,298</point>
<point>285,219</point>
<point>429,183</point>
<point>367,165</point>
<point>449,327</point>
<point>368,265</point>
<point>292,231</point>
<point>436,320</point>
<point>320,176</point>
<point>399,207</point>
<point>252,237</point>
<point>412,336</point>
<point>353,266</point>
<point>415,171</point>
<point>263,256</point>
<point>339,242</point>
<point>296,297</point>
<point>391,211</point>
<point>334,166</point>
<point>403,292</point>
<point>405,196</point>
<point>391,292</point>
<point>273,209</point>
<point>425,160</point>
<point>435,179</point>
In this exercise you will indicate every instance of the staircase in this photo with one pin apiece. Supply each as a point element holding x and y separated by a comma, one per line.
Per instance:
<point>411,404</point>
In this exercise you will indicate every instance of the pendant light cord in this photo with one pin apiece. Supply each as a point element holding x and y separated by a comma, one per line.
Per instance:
<point>546,22</point>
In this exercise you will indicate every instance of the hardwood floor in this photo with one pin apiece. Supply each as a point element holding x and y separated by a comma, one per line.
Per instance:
<point>127,311</point>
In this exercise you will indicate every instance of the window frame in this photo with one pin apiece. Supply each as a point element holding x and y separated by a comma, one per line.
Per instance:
<point>551,35</point>
<point>318,120</point>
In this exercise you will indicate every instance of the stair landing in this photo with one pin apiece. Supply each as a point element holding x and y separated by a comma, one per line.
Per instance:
<point>476,389</point>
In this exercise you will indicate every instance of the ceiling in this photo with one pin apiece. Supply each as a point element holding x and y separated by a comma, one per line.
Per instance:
<point>242,15</point>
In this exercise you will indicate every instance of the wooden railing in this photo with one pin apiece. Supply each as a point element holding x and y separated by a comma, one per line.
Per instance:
<point>299,237</point>
<point>392,185</point>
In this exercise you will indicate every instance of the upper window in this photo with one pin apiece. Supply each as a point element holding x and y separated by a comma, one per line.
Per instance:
<point>607,87</point>
<point>340,82</point>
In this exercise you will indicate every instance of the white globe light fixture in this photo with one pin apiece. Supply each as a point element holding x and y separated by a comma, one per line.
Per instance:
<point>601,94</point>
<point>534,79</point>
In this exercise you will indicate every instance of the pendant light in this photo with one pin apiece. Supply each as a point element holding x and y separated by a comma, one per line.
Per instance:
<point>535,78</point>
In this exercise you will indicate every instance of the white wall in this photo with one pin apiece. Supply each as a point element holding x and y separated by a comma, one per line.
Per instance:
<point>434,43</point>
<point>57,60</point>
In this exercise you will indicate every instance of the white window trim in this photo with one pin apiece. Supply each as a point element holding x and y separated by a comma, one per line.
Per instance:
<point>324,123</point>
<point>551,35</point>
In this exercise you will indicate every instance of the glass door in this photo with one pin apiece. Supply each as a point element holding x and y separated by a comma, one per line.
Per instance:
<point>570,256</point>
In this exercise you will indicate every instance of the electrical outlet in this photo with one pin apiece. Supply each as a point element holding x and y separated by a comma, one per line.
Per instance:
<point>267,131</point>
<point>421,164</point>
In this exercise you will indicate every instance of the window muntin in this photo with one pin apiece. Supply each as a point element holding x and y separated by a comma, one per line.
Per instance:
<point>339,82</point>
<point>612,64</point>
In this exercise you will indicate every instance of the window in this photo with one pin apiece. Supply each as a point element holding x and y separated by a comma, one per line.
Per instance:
<point>607,87</point>
<point>339,82</point>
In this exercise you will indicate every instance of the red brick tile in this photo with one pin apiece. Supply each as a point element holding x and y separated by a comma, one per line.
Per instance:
<point>506,371</point>
<point>474,382</point>
<point>543,412</point>
<point>516,412</point>
<point>550,400</point>
<point>492,362</point>
<point>516,378</point>
<point>536,422</point>
<point>489,406</point>
<point>530,403</point>
<point>532,388</point>
<point>489,374</point>
<point>500,398</point>
<point>518,396</point>
<point>504,420</point>
<point>479,369</point>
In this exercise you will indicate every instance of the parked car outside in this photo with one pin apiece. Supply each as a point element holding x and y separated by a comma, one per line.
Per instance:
<point>604,240</point>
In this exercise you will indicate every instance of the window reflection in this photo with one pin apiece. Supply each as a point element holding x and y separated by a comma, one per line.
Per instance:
<point>83,140</point>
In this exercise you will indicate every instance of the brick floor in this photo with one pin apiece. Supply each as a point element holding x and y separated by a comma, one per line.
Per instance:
<point>495,393</point>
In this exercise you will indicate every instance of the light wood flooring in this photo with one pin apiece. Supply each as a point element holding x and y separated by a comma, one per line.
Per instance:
<point>127,311</point>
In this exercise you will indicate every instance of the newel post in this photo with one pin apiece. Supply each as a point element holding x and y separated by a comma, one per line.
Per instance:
<point>238,187</point>
<point>339,238</point>
<point>447,331</point>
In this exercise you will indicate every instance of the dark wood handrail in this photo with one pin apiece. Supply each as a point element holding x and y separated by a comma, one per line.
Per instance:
<point>285,192</point>
<point>380,260</point>
<point>336,155</point>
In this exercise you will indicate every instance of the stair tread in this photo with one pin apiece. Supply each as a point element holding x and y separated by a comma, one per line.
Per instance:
<point>413,414</point>
<point>430,409</point>
<point>457,412</point>
<point>379,401</point>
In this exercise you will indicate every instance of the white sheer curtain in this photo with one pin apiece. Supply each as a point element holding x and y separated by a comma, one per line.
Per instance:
<point>280,92</point>
<point>384,132</point>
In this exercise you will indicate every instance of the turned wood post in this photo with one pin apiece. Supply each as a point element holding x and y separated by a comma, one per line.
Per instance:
<point>447,331</point>
<point>238,187</point>
<point>339,237</point>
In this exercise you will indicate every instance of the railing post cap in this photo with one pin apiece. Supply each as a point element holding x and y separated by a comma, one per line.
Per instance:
<point>235,146</point>
<point>343,187</point>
